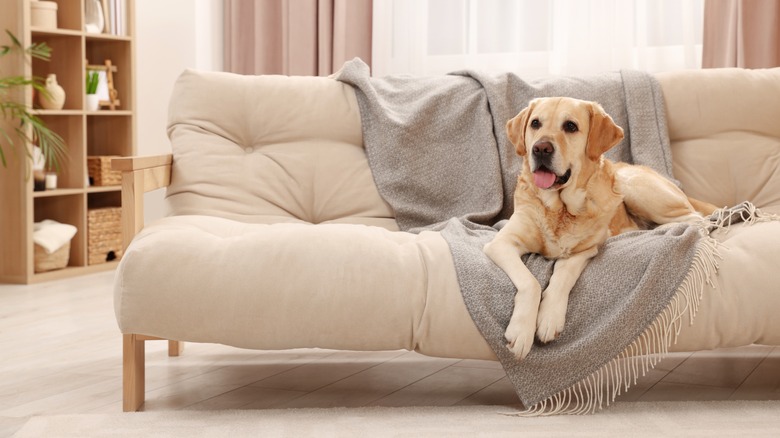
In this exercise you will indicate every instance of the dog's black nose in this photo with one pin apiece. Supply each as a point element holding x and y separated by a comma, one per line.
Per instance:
<point>543,148</point>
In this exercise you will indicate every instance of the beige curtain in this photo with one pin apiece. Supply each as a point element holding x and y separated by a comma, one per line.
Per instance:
<point>295,37</point>
<point>741,33</point>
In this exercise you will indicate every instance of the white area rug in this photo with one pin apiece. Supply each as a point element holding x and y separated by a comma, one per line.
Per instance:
<point>689,419</point>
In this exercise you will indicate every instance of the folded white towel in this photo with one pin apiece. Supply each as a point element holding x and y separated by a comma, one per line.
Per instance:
<point>52,235</point>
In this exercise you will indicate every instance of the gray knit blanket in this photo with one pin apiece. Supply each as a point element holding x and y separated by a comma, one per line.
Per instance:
<point>440,157</point>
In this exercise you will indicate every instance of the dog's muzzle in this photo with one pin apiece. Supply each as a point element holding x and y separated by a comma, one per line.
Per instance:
<point>544,176</point>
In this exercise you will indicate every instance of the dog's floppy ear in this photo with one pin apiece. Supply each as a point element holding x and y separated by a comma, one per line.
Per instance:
<point>603,134</point>
<point>515,128</point>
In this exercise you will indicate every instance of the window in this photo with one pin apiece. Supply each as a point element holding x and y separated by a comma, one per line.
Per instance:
<point>536,37</point>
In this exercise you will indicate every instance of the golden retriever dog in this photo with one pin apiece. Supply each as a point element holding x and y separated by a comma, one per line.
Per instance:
<point>569,199</point>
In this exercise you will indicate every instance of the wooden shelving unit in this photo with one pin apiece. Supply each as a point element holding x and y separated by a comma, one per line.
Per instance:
<point>86,133</point>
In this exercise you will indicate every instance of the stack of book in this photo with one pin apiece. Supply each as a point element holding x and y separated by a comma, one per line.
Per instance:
<point>115,15</point>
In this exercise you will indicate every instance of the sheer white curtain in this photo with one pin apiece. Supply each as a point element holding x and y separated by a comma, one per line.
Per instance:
<point>536,38</point>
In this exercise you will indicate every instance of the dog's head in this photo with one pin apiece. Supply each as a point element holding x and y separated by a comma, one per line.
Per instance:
<point>559,136</point>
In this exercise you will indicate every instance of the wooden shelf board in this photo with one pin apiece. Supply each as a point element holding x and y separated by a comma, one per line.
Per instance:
<point>108,112</point>
<point>45,31</point>
<point>103,189</point>
<point>106,37</point>
<point>62,112</point>
<point>57,192</point>
<point>40,31</point>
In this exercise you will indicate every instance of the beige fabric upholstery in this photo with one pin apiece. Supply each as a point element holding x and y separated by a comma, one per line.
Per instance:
<point>250,147</point>
<point>278,238</point>
<point>295,285</point>
<point>725,135</point>
<point>741,307</point>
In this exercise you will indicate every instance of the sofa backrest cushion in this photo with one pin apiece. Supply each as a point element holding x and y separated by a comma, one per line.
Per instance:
<point>724,126</point>
<point>269,149</point>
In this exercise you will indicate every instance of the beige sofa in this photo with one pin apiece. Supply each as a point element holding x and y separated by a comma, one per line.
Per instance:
<point>277,237</point>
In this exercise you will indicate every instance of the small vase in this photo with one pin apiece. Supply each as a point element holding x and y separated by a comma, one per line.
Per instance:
<point>93,102</point>
<point>93,16</point>
<point>56,98</point>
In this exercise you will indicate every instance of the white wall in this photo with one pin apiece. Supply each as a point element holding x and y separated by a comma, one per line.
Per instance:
<point>171,35</point>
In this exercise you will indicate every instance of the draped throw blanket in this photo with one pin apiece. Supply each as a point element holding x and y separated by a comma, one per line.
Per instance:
<point>440,157</point>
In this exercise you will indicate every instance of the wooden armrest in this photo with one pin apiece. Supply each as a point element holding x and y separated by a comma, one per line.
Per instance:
<point>139,175</point>
<point>141,162</point>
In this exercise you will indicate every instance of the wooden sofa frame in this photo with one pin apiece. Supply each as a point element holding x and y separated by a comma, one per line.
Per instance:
<point>139,175</point>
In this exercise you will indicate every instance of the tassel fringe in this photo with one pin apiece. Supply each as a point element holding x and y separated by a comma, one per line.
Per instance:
<point>603,386</point>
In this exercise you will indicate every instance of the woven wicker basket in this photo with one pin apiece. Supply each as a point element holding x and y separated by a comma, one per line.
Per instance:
<point>49,262</point>
<point>104,234</point>
<point>99,169</point>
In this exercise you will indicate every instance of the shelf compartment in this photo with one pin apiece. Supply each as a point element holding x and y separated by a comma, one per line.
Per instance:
<point>109,135</point>
<point>67,209</point>
<point>66,62</point>
<point>72,171</point>
<point>119,51</point>
<point>104,227</point>
<point>104,198</point>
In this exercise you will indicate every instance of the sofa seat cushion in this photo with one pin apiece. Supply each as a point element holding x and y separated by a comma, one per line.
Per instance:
<point>357,287</point>
<point>740,306</point>
<point>289,285</point>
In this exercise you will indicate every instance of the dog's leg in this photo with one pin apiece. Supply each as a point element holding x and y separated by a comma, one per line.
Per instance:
<point>505,252</point>
<point>650,196</point>
<point>555,299</point>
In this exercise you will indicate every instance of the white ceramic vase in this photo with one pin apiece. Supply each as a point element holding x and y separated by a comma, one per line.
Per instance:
<point>93,16</point>
<point>56,98</point>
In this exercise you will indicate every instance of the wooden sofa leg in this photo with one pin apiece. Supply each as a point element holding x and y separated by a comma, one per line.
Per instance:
<point>175,348</point>
<point>133,378</point>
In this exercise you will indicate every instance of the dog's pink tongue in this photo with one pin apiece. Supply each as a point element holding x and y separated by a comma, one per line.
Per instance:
<point>544,179</point>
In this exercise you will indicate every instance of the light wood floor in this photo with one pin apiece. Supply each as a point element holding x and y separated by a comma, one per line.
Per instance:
<point>61,353</point>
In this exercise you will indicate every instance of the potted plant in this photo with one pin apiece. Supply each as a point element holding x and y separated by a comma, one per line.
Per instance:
<point>93,100</point>
<point>26,127</point>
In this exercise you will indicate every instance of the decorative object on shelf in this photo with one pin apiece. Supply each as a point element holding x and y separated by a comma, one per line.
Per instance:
<point>108,95</point>
<point>100,172</point>
<point>54,99</point>
<point>39,175</point>
<point>51,144</point>
<point>92,99</point>
<point>39,180</point>
<point>42,180</point>
<point>50,180</point>
<point>52,244</point>
<point>94,20</point>
<point>104,234</point>
<point>45,262</point>
<point>43,14</point>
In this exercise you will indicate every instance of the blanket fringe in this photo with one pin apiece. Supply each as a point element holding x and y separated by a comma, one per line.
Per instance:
<point>603,386</point>
<point>746,212</point>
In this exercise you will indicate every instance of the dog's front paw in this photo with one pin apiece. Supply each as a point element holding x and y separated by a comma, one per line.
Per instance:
<point>551,319</point>
<point>520,336</point>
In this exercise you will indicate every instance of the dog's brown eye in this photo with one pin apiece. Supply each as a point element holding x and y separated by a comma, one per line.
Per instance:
<point>570,126</point>
<point>536,124</point>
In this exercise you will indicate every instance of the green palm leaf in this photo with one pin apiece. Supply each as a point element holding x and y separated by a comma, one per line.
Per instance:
<point>30,128</point>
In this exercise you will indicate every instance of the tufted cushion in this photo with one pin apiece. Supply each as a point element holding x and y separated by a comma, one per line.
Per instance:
<point>725,135</point>
<point>270,149</point>
<point>342,286</point>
